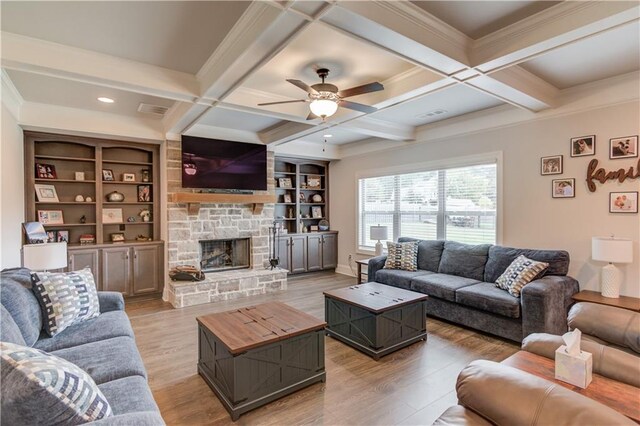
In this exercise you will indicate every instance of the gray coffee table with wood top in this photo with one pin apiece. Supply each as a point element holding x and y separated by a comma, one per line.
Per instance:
<point>257,354</point>
<point>374,318</point>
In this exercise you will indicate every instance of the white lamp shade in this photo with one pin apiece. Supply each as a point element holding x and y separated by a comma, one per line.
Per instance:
<point>378,232</point>
<point>323,107</point>
<point>43,257</point>
<point>613,250</point>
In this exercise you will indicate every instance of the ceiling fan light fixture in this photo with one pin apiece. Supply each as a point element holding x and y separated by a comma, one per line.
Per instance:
<point>324,104</point>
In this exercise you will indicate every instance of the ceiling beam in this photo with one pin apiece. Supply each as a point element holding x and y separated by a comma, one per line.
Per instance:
<point>381,129</point>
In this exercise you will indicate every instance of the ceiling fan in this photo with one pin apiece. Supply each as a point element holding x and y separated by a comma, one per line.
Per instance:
<point>325,98</point>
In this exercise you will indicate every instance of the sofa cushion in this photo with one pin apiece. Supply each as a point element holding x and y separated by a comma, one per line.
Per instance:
<point>440,285</point>
<point>106,360</point>
<point>464,260</point>
<point>9,331</point>
<point>429,253</point>
<point>488,297</point>
<point>398,277</point>
<point>402,256</point>
<point>520,273</point>
<point>40,388</point>
<point>129,395</point>
<point>501,257</point>
<point>107,325</point>
<point>66,298</point>
<point>18,299</point>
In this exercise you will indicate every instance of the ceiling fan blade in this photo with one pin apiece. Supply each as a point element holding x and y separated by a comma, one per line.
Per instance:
<point>282,102</point>
<point>357,107</point>
<point>304,86</point>
<point>360,90</point>
<point>311,116</point>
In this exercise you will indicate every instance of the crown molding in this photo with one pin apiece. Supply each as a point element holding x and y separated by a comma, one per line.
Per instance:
<point>10,95</point>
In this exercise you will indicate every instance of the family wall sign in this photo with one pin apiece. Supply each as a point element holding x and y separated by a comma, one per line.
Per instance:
<point>601,175</point>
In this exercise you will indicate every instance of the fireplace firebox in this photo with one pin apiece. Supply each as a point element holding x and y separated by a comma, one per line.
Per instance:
<point>225,254</point>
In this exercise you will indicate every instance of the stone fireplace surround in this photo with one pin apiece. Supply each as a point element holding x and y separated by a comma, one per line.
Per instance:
<point>214,222</point>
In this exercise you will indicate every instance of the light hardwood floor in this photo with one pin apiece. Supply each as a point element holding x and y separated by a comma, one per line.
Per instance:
<point>412,386</point>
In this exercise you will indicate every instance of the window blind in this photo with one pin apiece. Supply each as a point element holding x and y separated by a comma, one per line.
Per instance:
<point>453,204</point>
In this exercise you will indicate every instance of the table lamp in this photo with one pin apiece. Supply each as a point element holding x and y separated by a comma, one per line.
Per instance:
<point>44,257</point>
<point>612,250</point>
<point>378,233</point>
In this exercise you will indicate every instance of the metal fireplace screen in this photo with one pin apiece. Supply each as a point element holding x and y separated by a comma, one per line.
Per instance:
<point>220,255</point>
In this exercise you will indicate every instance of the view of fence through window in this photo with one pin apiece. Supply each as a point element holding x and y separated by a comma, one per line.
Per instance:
<point>456,204</point>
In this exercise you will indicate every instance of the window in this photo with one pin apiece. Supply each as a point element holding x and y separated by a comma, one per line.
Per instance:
<point>456,204</point>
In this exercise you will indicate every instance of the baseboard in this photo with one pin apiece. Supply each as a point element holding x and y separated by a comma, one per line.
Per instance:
<point>345,270</point>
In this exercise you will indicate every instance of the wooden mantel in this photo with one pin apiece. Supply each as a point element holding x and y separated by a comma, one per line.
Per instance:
<point>194,200</point>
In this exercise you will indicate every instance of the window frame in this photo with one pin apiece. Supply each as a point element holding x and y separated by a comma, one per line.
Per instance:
<point>435,165</point>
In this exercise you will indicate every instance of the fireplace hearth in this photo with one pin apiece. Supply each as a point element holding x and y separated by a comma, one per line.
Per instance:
<point>225,254</point>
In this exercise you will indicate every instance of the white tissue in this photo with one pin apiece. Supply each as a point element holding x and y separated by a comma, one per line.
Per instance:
<point>572,342</point>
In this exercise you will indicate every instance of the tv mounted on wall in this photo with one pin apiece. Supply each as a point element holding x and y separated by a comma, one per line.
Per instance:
<point>220,164</point>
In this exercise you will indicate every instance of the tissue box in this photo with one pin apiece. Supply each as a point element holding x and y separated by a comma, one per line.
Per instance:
<point>574,369</point>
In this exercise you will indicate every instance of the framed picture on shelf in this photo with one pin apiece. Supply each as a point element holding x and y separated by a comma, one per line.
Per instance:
<point>583,146</point>
<point>316,212</point>
<point>86,239</point>
<point>62,236</point>
<point>287,198</point>
<point>313,181</point>
<point>51,236</point>
<point>46,193</point>
<point>146,175</point>
<point>624,147</point>
<point>285,183</point>
<point>79,175</point>
<point>563,188</point>
<point>112,216</point>
<point>302,198</point>
<point>117,237</point>
<point>35,232</point>
<point>313,228</point>
<point>107,175</point>
<point>551,165</point>
<point>46,171</point>
<point>50,217</point>
<point>144,193</point>
<point>128,177</point>
<point>623,202</point>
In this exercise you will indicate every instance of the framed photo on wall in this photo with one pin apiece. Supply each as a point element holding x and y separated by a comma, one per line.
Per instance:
<point>623,202</point>
<point>551,165</point>
<point>624,147</point>
<point>583,146</point>
<point>563,188</point>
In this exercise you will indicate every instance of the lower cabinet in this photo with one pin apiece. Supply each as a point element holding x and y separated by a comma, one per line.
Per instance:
<point>308,252</point>
<point>131,270</point>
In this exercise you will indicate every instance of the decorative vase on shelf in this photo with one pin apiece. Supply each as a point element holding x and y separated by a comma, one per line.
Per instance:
<point>115,197</point>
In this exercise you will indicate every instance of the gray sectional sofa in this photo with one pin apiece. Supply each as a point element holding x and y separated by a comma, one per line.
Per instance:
<point>460,280</point>
<point>104,347</point>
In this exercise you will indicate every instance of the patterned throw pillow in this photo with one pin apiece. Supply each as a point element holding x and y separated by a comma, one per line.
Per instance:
<point>520,273</point>
<point>67,298</point>
<point>40,388</point>
<point>402,256</point>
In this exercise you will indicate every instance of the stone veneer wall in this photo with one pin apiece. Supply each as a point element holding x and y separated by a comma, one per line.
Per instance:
<point>215,221</point>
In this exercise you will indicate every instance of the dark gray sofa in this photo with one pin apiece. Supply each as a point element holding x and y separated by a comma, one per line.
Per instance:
<point>460,280</point>
<point>104,347</point>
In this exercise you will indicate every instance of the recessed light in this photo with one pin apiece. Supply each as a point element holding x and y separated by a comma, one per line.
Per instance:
<point>106,100</point>
<point>327,135</point>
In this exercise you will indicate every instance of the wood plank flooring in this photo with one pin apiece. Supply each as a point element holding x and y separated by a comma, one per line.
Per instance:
<point>410,387</point>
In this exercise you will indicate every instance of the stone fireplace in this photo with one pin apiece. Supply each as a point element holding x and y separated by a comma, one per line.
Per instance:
<point>233,227</point>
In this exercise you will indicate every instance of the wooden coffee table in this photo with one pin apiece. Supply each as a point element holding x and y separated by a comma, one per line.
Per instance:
<point>617,395</point>
<point>376,319</point>
<point>257,354</point>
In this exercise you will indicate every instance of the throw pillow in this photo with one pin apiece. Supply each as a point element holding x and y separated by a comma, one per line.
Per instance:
<point>40,388</point>
<point>66,298</point>
<point>402,256</point>
<point>520,273</point>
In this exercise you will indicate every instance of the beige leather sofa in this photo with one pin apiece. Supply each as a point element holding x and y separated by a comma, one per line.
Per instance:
<point>610,334</point>
<point>494,394</point>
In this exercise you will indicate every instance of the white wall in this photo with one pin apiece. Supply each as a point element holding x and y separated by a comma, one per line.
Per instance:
<point>531,218</point>
<point>12,190</point>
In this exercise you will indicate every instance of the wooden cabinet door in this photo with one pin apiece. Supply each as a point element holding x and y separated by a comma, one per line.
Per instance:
<point>145,270</point>
<point>329,251</point>
<point>284,252</point>
<point>298,254</point>
<point>80,259</point>
<point>116,270</point>
<point>314,252</point>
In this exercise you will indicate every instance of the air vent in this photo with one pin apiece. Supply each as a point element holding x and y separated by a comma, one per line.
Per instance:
<point>432,113</point>
<point>152,109</point>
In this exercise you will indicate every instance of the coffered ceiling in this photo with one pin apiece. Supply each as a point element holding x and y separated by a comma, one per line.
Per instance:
<point>212,62</point>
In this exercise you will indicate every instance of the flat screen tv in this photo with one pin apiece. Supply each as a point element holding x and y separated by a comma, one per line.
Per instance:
<point>220,164</point>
